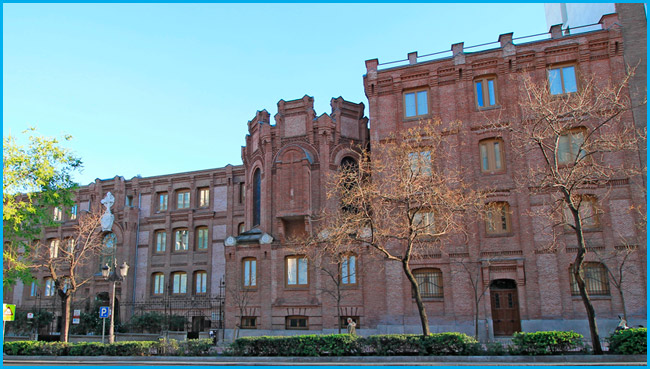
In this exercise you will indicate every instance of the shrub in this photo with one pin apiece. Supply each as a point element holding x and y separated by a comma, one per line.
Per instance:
<point>87,349</point>
<point>130,348</point>
<point>201,347</point>
<point>21,347</point>
<point>304,345</point>
<point>450,343</point>
<point>545,343</point>
<point>494,349</point>
<point>629,342</point>
<point>394,344</point>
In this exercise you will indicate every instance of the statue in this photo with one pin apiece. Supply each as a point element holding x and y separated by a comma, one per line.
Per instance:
<point>108,217</point>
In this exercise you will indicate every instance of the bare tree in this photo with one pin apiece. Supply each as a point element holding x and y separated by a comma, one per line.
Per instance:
<point>574,143</point>
<point>240,297</point>
<point>66,263</point>
<point>474,273</point>
<point>405,199</point>
<point>616,264</point>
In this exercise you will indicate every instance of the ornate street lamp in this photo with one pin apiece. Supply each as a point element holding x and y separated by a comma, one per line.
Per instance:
<point>113,277</point>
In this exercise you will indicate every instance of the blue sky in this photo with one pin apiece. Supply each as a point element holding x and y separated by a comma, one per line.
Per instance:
<point>155,89</point>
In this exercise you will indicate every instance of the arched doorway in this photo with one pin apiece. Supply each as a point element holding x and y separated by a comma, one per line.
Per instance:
<point>505,307</point>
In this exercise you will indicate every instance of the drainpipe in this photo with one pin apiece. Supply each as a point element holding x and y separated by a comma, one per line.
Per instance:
<point>135,261</point>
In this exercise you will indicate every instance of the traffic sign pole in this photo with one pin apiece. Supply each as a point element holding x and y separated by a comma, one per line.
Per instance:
<point>103,328</point>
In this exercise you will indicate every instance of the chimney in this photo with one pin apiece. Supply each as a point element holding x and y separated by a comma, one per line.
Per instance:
<point>413,57</point>
<point>457,52</point>
<point>556,31</point>
<point>505,39</point>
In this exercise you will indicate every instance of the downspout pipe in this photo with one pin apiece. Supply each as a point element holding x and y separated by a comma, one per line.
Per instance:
<point>135,259</point>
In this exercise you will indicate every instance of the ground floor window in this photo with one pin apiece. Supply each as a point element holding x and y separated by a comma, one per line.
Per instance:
<point>296,322</point>
<point>248,322</point>
<point>343,322</point>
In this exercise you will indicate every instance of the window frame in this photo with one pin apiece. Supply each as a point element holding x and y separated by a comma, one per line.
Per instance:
<point>421,163</point>
<point>287,322</point>
<point>50,287</point>
<point>57,214</point>
<point>252,275</point>
<point>425,215</point>
<point>159,204</point>
<point>485,91</point>
<point>55,244</point>
<point>415,92</point>
<point>187,240</point>
<point>594,219</point>
<point>248,319</point>
<point>187,198</point>
<point>182,283</point>
<point>160,247</point>
<point>297,271</point>
<point>204,282</point>
<point>572,156</point>
<point>73,212</point>
<point>158,283</point>
<point>491,156</point>
<point>33,291</point>
<point>345,264</point>
<point>204,197</point>
<point>604,288</point>
<point>437,273</point>
<point>206,238</point>
<point>494,218</point>
<point>561,68</point>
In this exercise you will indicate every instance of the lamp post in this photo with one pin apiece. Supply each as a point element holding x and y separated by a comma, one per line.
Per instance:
<point>113,277</point>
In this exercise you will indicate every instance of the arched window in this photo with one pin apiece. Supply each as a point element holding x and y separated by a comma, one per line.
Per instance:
<point>179,283</point>
<point>257,197</point>
<point>429,281</point>
<point>240,228</point>
<point>107,255</point>
<point>249,272</point>
<point>200,282</point>
<point>349,269</point>
<point>350,170</point>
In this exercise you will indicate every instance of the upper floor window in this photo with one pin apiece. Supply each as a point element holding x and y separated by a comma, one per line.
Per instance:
<point>497,220</point>
<point>69,246</point>
<point>66,285</point>
<point>596,281</point>
<point>424,223</point>
<point>429,282</point>
<point>158,283</point>
<point>242,192</point>
<point>249,272</point>
<point>240,228</point>
<point>200,282</point>
<point>296,271</point>
<point>183,199</point>
<point>57,214</point>
<point>349,269</point>
<point>181,240</point>
<point>161,241</point>
<point>50,288</point>
<point>179,282</point>
<point>204,197</point>
<point>162,201</point>
<point>34,290</point>
<point>491,155</point>
<point>415,103</point>
<point>562,80</point>
<point>54,248</point>
<point>257,197</point>
<point>107,255</point>
<point>202,238</point>
<point>73,212</point>
<point>587,209</point>
<point>420,163</point>
<point>129,201</point>
<point>485,92</point>
<point>569,146</point>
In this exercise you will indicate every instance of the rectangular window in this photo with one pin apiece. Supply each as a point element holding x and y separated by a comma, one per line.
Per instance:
<point>162,202</point>
<point>596,281</point>
<point>179,283</point>
<point>161,241</point>
<point>420,163</point>
<point>497,218</point>
<point>181,240</point>
<point>416,103</point>
<point>429,282</point>
<point>569,147</point>
<point>202,238</point>
<point>34,289</point>
<point>204,197</point>
<point>49,287</point>
<point>57,214</point>
<point>296,267</point>
<point>485,92</point>
<point>588,213</point>
<point>183,200</point>
<point>491,155</point>
<point>249,272</point>
<point>158,284</point>
<point>242,193</point>
<point>424,223</point>
<point>248,322</point>
<point>562,80</point>
<point>296,322</point>
<point>200,282</point>
<point>349,269</point>
<point>129,201</point>
<point>54,249</point>
<point>69,246</point>
<point>73,212</point>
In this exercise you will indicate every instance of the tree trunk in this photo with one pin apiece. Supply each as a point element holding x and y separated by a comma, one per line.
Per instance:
<point>476,319</point>
<point>65,315</point>
<point>418,299</point>
<point>338,307</point>
<point>577,274</point>
<point>620,293</point>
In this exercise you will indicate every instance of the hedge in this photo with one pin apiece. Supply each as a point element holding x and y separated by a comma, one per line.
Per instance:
<point>546,343</point>
<point>344,344</point>
<point>201,347</point>
<point>629,342</point>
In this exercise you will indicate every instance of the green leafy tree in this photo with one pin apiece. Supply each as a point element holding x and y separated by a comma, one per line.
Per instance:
<point>35,178</point>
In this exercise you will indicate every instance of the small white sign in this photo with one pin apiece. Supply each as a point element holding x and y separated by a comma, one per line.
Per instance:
<point>76,320</point>
<point>30,315</point>
<point>76,313</point>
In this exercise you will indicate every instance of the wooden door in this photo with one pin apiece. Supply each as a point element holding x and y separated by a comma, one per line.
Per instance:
<point>505,311</point>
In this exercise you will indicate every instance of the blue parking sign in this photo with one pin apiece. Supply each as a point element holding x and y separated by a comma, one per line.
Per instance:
<point>104,311</point>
